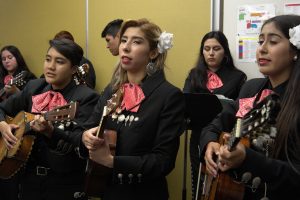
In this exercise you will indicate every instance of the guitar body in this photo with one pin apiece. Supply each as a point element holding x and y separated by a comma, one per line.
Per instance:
<point>258,122</point>
<point>223,187</point>
<point>98,176</point>
<point>11,161</point>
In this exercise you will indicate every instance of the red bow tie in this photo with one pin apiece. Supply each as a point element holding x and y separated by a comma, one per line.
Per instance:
<point>133,96</point>
<point>246,104</point>
<point>7,78</point>
<point>213,81</point>
<point>47,101</point>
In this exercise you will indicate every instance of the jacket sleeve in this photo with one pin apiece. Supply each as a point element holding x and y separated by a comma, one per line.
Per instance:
<point>93,119</point>
<point>73,133</point>
<point>15,103</point>
<point>280,175</point>
<point>188,85</point>
<point>225,121</point>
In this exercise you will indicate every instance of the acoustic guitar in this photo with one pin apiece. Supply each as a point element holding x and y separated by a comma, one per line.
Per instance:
<point>18,81</point>
<point>12,160</point>
<point>259,122</point>
<point>97,175</point>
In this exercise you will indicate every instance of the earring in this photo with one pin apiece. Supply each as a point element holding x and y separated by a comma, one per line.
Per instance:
<point>295,58</point>
<point>150,68</point>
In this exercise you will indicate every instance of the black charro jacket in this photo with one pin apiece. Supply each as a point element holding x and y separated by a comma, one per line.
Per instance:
<point>277,175</point>
<point>146,148</point>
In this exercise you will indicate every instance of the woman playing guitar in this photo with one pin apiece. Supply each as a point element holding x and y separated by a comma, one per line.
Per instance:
<point>148,120</point>
<point>12,64</point>
<point>54,169</point>
<point>275,173</point>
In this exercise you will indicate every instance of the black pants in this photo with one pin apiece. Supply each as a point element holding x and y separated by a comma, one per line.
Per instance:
<point>9,189</point>
<point>52,187</point>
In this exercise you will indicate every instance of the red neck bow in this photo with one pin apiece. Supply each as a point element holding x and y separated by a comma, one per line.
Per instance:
<point>7,78</point>
<point>246,104</point>
<point>213,81</point>
<point>47,101</point>
<point>133,96</point>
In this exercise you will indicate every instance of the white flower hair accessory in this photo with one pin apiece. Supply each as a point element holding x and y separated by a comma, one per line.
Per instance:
<point>165,42</point>
<point>294,34</point>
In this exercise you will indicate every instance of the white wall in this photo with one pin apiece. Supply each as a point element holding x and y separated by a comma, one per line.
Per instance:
<point>230,28</point>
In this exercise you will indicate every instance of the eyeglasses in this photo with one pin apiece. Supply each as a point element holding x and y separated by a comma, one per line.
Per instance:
<point>10,57</point>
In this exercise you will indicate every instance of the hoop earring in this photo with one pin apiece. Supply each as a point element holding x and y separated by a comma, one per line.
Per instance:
<point>150,68</point>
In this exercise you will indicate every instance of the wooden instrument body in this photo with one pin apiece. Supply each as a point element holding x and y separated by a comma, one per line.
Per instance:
<point>223,187</point>
<point>258,122</point>
<point>12,160</point>
<point>99,176</point>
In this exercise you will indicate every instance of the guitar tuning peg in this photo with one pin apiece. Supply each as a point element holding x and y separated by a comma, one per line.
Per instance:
<point>61,127</point>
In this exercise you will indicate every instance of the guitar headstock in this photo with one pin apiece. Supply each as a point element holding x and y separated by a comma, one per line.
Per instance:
<point>112,103</point>
<point>62,113</point>
<point>258,122</point>
<point>18,80</point>
<point>81,73</point>
<point>263,113</point>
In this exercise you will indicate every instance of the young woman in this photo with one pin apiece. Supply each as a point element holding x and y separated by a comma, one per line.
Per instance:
<point>54,170</point>
<point>90,78</point>
<point>214,73</point>
<point>148,120</point>
<point>12,64</point>
<point>276,176</point>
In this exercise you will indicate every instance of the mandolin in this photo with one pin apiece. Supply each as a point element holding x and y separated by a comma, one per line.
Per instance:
<point>258,123</point>
<point>97,175</point>
<point>12,160</point>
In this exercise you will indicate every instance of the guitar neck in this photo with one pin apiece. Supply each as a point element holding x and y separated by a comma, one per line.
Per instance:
<point>101,126</point>
<point>236,135</point>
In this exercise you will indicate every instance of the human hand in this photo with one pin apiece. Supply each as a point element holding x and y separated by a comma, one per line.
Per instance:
<point>40,124</point>
<point>231,159</point>
<point>212,150</point>
<point>8,137</point>
<point>101,153</point>
<point>89,138</point>
<point>11,89</point>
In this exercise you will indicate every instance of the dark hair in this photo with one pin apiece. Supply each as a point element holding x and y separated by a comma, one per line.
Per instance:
<point>199,72</point>
<point>288,138</point>
<point>64,34</point>
<point>112,28</point>
<point>19,58</point>
<point>69,49</point>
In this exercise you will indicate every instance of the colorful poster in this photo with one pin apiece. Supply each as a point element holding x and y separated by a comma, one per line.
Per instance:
<point>246,48</point>
<point>292,8</point>
<point>251,17</point>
